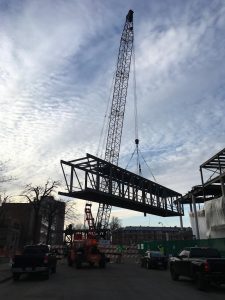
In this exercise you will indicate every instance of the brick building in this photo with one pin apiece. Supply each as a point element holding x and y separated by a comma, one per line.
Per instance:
<point>18,215</point>
<point>136,234</point>
<point>9,239</point>
<point>18,222</point>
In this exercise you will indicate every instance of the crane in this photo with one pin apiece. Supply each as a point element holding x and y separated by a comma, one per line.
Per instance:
<point>116,117</point>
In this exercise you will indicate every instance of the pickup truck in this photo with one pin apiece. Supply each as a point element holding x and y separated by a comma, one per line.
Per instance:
<point>154,259</point>
<point>203,265</point>
<point>34,259</point>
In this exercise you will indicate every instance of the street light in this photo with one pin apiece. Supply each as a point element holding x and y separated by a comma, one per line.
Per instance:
<point>160,223</point>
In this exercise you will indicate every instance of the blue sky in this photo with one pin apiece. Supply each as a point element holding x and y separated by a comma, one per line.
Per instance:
<point>57,60</point>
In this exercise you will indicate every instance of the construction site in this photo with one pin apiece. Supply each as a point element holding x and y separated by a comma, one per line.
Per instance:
<point>43,255</point>
<point>103,181</point>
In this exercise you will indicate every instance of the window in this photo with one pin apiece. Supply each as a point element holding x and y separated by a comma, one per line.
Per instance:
<point>205,252</point>
<point>156,254</point>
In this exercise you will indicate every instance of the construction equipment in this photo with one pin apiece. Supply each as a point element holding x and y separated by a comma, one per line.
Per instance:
<point>116,118</point>
<point>90,220</point>
<point>86,252</point>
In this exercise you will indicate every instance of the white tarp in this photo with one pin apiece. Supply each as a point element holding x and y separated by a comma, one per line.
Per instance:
<point>211,219</point>
<point>201,223</point>
<point>215,218</point>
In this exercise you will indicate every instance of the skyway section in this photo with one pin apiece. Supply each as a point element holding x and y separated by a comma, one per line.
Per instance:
<point>91,178</point>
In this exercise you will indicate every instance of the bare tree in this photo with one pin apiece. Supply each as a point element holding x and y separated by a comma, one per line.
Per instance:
<point>3,197</point>
<point>51,209</point>
<point>115,223</point>
<point>71,214</point>
<point>35,195</point>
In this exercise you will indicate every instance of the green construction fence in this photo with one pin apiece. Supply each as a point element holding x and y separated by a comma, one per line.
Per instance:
<point>174,247</point>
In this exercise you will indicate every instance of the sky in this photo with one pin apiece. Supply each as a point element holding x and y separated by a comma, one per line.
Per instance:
<point>57,62</point>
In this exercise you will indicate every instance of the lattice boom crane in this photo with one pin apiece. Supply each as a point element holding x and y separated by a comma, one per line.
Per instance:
<point>117,112</point>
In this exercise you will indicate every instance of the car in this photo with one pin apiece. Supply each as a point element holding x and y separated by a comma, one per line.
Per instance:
<point>154,259</point>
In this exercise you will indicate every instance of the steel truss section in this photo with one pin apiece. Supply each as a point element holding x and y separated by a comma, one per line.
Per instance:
<point>124,189</point>
<point>212,176</point>
<point>214,169</point>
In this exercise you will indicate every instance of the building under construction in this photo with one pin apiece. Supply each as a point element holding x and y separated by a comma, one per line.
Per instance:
<point>101,180</point>
<point>208,221</point>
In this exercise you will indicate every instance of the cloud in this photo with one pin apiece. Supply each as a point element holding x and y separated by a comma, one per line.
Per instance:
<point>56,66</point>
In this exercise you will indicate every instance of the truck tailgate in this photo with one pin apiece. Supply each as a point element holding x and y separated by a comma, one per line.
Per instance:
<point>22,261</point>
<point>216,265</point>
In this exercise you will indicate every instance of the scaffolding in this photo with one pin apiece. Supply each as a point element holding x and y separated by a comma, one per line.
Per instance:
<point>212,194</point>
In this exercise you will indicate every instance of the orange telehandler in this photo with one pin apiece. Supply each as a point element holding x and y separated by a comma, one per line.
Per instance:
<point>86,252</point>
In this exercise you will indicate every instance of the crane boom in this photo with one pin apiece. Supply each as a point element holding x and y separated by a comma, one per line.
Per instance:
<point>117,111</point>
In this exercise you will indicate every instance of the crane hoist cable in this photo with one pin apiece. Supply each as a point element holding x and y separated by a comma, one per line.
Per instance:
<point>137,150</point>
<point>138,165</point>
<point>148,167</point>
<point>138,161</point>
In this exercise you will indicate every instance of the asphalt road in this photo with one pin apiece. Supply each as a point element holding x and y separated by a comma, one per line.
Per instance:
<point>117,281</point>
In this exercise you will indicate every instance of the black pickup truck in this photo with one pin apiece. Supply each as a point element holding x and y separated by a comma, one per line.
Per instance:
<point>34,259</point>
<point>203,265</point>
